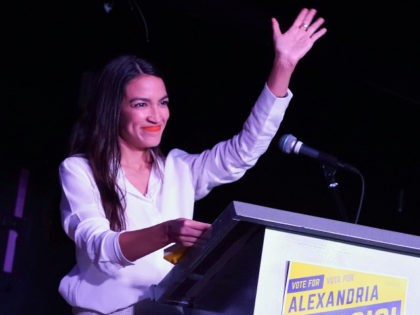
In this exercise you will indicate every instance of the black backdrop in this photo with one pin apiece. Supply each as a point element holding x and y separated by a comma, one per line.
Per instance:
<point>356,96</point>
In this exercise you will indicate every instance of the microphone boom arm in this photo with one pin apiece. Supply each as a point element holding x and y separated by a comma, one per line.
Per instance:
<point>329,173</point>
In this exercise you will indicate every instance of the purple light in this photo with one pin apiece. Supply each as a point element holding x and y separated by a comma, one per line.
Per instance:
<point>18,213</point>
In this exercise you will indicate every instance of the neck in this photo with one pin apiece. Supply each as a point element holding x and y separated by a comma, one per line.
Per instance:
<point>138,159</point>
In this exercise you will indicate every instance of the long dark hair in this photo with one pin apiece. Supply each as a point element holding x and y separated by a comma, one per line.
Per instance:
<point>96,132</point>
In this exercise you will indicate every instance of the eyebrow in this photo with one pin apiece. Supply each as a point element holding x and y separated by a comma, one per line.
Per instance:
<point>145,99</point>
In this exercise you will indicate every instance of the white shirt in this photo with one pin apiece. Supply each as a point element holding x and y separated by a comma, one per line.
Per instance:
<point>103,280</point>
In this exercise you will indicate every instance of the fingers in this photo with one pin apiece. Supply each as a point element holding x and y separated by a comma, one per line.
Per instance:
<point>316,25</point>
<point>304,18</point>
<point>314,31</point>
<point>304,21</point>
<point>317,34</point>
<point>301,18</point>
<point>307,20</point>
<point>191,232</point>
<point>276,27</point>
<point>187,232</point>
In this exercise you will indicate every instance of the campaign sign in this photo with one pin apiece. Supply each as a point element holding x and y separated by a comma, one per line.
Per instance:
<point>322,290</point>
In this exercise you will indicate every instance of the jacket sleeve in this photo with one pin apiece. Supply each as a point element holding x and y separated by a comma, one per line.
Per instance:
<point>228,160</point>
<point>84,220</point>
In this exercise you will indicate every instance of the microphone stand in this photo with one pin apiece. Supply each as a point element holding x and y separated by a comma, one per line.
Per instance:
<point>329,173</point>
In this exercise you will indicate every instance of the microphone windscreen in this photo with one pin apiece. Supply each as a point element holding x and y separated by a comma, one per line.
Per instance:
<point>287,142</point>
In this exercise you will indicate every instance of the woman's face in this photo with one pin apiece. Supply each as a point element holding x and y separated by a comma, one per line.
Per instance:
<point>144,112</point>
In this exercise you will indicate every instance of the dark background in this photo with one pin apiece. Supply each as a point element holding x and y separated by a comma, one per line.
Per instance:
<point>356,96</point>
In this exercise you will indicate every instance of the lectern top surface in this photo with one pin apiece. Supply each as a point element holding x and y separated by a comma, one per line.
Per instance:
<point>326,228</point>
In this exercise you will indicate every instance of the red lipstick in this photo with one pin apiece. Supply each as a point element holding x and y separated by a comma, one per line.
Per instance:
<point>152,128</point>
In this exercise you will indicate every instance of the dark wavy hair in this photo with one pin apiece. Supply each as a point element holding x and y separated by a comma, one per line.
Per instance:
<point>96,133</point>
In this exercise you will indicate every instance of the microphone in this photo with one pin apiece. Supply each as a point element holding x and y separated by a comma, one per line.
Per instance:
<point>290,144</point>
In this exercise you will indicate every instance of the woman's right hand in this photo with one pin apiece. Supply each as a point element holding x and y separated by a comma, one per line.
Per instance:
<point>186,232</point>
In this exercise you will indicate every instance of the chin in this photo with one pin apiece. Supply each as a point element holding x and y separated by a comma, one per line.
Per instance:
<point>152,145</point>
<point>149,142</point>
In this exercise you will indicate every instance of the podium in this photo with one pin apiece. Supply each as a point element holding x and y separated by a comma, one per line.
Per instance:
<point>261,260</point>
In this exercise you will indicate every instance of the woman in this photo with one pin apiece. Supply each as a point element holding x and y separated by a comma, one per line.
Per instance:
<point>123,202</point>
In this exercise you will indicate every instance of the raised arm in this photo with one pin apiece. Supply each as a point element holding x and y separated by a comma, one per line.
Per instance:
<point>291,46</point>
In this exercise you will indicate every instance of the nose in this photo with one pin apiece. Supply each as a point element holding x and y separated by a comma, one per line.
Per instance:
<point>154,114</point>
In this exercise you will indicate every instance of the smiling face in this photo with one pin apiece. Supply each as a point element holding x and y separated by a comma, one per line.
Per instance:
<point>144,113</point>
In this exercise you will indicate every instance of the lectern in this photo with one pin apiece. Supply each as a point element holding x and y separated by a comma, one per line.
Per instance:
<point>264,261</point>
